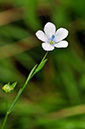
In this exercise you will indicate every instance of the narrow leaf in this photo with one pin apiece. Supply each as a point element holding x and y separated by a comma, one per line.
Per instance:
<point>14,84</point>
<point>41,65</point>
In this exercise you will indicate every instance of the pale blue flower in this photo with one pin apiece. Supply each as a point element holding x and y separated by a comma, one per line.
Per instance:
<point>52,38</point>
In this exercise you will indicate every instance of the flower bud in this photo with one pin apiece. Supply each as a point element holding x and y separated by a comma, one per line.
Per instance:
<point>7,88</point>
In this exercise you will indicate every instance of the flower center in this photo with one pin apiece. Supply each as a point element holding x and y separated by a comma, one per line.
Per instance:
<point>51,41</point>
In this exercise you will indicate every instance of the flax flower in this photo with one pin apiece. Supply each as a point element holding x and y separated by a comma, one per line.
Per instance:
<point>52,38</point>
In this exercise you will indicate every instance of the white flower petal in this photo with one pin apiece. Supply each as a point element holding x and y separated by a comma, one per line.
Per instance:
<point>49,29</point>
<point>61,34</point>
<point>47,47</point>
<point>61,44</point>
<point>41,35</point>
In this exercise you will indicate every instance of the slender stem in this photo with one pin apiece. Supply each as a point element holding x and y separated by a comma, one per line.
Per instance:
<point>6,111</point>
<point>4,121</point>
<point>40,63</point>
<point>32,73</point>
<point>44,56</point>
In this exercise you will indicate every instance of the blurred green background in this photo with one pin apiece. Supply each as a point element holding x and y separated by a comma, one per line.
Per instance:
<point>55,97</point>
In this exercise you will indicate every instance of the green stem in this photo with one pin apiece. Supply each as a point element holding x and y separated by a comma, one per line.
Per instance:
<point>32,73</point>
<point>40,63</point>
<point>4,121</point>
<point>6,111</point>
<point>21,90</point>
<point>44,56</point>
